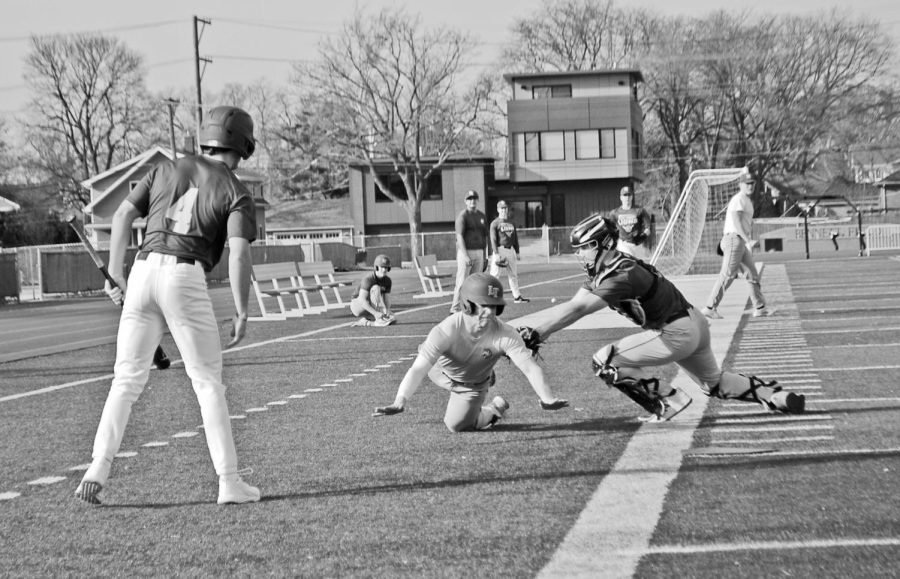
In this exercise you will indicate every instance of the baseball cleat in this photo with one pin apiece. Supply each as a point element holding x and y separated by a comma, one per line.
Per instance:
<point>711,313</point>
<point>87,491</point>
<point>671,404</point>
<point>233,490</point>
<point>788,402</point>
<point>763,312</point>
<point>498,408</point>
<point>521,300</point>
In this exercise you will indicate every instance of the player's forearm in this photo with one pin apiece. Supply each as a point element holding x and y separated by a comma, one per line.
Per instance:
<point>239,264</point>
<point>411,381</point>
<point>569,313</point>
<point>120,236</point>
<point>535,375</point>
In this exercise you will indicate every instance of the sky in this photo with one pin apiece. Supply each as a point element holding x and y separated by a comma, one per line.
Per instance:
<point>252,40</point>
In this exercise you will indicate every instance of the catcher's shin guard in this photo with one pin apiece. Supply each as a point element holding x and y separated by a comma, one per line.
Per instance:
<point>644,391</point>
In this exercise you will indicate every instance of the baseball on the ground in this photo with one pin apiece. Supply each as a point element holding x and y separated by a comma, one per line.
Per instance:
<point>552,300</point>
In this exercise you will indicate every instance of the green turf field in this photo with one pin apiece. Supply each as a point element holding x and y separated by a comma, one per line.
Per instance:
<point>724,491</point>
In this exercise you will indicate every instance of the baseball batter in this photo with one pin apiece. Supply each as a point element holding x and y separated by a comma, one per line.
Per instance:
<point>673,331</point>
<point>633,224</point>
<point>505,250</point>
<point>737,252</point>
<point>193,206</point>
<point>460,353</point>
<point>372,304</point>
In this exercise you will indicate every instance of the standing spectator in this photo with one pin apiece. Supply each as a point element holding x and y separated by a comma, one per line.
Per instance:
<point>372,305</point>
<point>471,240</point>
<point>737,247</point>
<point>192,205</point>
<point>505,250</point>
<point>633,223</point>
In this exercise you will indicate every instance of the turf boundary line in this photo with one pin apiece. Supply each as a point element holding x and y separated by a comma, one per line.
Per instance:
<point>769,546</point>
<point>613,531</point>
<point>106,377</point>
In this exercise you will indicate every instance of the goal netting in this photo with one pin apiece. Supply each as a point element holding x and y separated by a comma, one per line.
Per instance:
<point>704,199</point>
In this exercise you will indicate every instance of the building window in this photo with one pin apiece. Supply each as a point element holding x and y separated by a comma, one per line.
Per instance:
<point>433,192</point>
<point>635,144</point>
<point>548,146</point>
<point>553,147</point>
<point>595,144</point>
<point>607,144</point>
<point>587,144</point>
<point>558,91</point>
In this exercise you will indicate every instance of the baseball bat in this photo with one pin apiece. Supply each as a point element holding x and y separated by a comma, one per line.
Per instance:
<point>160,359</point>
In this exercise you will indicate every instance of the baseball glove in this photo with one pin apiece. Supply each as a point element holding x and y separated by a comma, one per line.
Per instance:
<point>501,261</point>
<point>531,338</point>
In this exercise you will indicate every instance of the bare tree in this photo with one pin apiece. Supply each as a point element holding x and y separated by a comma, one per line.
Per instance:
<point>573,35</point>
<point>389,86</point>
<point>89,106</point>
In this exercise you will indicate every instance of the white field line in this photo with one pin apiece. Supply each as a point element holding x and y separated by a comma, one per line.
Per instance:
<point>716,441</point>
<point>858,368</point>
<point>855,330</point>
<point>623,511</point>
<point>295,337</point>
<point>804,427</point>
<point>774,419</point>
<point>768,545</point>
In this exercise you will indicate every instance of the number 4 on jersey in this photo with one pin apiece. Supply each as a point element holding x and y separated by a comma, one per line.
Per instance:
<point>180,214</point>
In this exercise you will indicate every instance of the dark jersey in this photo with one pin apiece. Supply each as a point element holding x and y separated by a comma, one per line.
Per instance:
<point>372,280</point>
<point>503,234</point>
<point>473,227</point>
<point>631,223</point>
<point>192,207</point>
<point>637,291</point>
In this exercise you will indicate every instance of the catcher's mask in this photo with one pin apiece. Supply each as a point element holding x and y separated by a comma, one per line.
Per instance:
<point>228,128</point>
<point>593,233</point>
<point>482,289</point>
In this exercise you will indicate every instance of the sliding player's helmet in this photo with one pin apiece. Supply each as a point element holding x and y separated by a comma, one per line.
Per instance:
<point>482,289</point>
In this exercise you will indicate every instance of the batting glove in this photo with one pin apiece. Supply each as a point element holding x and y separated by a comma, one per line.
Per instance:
<point>387,410</point>
<point>554,404</point>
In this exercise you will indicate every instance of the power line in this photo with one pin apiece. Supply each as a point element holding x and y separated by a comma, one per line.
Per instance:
<point>98,30</point>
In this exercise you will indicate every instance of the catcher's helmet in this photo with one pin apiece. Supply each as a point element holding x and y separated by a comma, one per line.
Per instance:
<point>482,289</point>
<point>382,260</point>
<point>596,232</point>
<point>228,128</point>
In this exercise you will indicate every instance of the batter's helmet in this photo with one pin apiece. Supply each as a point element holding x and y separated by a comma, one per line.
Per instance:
<point>228,128</point>
<point>598,232</point>
<point>482,289</point>
<point>382,260</point>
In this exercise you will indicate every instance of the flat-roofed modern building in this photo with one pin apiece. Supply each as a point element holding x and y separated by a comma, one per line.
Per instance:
<point>575,139</point>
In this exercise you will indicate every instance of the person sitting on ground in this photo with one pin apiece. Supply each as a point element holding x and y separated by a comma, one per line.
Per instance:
<point>372,305</point>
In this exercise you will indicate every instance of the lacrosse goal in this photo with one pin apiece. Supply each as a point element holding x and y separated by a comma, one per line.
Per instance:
<point>704,199</point>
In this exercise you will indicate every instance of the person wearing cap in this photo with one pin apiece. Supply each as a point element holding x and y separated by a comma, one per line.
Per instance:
<point>471,241</point>
<point>737,247</point>
<point>505,250</point>
<point>633,223</point>
<point>372,304</point>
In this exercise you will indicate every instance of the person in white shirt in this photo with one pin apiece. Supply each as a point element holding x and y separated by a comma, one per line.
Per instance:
<point>737,247</point>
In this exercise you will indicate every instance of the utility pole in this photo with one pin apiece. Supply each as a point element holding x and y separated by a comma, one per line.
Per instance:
<point>197,73</point>
<point>171,104</point>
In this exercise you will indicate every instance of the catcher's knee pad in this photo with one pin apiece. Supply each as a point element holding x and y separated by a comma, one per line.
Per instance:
<point>601,366</point>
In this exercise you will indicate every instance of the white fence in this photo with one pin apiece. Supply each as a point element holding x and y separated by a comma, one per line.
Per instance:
<point>882,237</point>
